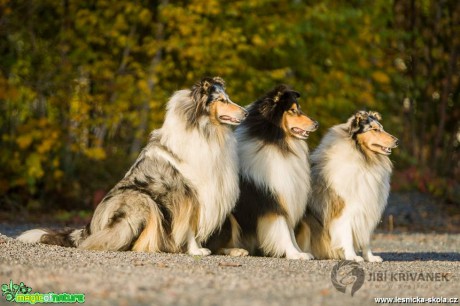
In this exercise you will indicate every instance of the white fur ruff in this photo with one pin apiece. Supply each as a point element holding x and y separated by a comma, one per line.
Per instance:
<point>210,164</point>
<point>283,174</point>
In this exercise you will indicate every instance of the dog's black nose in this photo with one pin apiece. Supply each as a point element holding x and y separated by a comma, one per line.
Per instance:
<point>397,142</point>
<point>316,124</point>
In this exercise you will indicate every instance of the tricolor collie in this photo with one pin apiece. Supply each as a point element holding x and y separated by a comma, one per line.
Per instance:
<point>350,186</point>
<point>274,175</point>
<point>180,189</point>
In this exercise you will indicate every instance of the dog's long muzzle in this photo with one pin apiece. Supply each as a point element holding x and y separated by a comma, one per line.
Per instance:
<point>232,114</point>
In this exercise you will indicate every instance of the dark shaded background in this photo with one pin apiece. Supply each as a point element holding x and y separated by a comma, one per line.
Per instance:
<point>82,83</point>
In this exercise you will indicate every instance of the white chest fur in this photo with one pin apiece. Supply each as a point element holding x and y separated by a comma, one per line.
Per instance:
<point>286,175</point>
<point>363,186</point>
<point>211,165</point>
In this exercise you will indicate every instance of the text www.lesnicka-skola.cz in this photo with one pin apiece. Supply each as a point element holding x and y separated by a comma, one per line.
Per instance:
<point>417,300</point>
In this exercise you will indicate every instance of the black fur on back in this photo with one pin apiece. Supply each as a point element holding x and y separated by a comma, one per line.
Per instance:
<point>253,203</point>
<point>264,121</point>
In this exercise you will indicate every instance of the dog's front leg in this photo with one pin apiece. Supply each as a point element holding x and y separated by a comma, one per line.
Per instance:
<point>193,247</point>
<point>277,238</point>
<point>368,256</point>
<point>342,237</point>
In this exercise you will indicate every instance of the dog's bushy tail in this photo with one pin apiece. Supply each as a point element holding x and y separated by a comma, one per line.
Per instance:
<point>67,237</point>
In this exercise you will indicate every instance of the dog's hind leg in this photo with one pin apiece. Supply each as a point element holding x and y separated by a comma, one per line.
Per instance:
<point>233,247</point>
<point>118,236</point>
<point>277,238</point>
<point>226,241</point>
<point>303,236</point>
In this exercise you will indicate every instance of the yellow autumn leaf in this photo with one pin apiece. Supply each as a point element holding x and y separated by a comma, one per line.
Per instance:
<point>257,40</point>
<point>145,17</point>
<point>34,166</point>
<point>381,77</point>
<point>45,146</point>
<point>58,174</point>
<point>24,141</point>
<point>95,153</point>
<point>143,86</point>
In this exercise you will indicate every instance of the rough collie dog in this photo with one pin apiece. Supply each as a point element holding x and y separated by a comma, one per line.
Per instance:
<point>274,175</point>
<point>180,189</point>
<point>350,186</point>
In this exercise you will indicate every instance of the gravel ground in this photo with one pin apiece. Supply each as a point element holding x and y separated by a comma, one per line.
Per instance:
<point>129,278</point>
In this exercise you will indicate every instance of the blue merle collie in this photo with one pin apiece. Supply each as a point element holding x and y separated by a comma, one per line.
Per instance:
<point>274,177</point>
<point>350,185</point>
<point>180,189</point>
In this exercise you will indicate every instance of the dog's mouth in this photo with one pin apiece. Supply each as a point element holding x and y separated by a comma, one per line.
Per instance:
<point>383,150</point>
<point>300,133</point>
<point>229,120</point>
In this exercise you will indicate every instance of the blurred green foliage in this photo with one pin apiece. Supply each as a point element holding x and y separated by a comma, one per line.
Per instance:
<point>82,83</point>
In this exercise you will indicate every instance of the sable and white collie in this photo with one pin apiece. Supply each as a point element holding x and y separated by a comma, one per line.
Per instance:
<point>180,189</point>
<point>274,176</point>
<point>350,186</point>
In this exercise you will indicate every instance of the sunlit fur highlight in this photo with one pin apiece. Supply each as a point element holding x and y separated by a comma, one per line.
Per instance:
<point>350,188</point>
<point>180,189</point>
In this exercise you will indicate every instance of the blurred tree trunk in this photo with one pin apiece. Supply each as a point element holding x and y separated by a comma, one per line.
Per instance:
<point>101,131</point>
<point>145,107</point>
<point>430,43</point>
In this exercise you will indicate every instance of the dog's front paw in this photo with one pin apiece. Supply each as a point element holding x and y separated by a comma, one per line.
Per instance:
<point>199,252</point>
<point>235,252</point>
<point>374,258</point>
<point>356,258</point>
<point>302,256</point>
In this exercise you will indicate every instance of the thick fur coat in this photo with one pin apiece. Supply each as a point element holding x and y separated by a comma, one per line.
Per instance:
<point>181,187</point>
<point>350,187</point>
<point>274,175</point>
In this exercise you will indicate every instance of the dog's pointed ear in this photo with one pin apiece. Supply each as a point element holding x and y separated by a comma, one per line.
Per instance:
<point>355,121</point>
<point>296,94</point>
<point>219,81</point>
<point>278,96</point>
<point>376,115</point>
<point>205,85</point>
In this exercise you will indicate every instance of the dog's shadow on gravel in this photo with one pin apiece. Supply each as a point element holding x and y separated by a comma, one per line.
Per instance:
<point>420,256</point>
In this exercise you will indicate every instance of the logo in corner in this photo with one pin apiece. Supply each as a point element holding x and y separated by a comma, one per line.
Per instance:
<point>22,294</point>
<point>347,273</point>
<point>11,290</point>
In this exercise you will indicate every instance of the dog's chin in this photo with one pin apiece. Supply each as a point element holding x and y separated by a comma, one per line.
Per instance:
<point>381,149</point>
<point>299,133</point>
<point>224,119</point>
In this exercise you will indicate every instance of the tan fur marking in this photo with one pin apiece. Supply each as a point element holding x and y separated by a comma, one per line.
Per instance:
<point>229,109</point>
<point>270,217</point>
<point>236,232</point>
<point>337,207</point>
<point>298,120</point>
<point>219,108</point>
<point>185,217</point>
<point>320,240</point>
<point>303,236</point>
<point>369,139</point>
<point>214,113</point>
<point>152,237</point>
